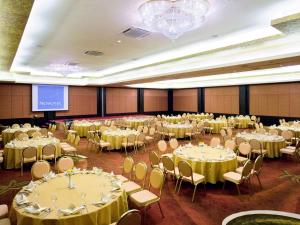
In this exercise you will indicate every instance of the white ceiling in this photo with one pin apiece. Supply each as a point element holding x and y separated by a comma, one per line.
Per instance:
<point>61,31</point>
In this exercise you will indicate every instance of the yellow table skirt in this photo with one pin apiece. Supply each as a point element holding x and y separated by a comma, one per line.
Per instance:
<point>12,156</point>
<point>90,184</point>
<point>83,130</point>
<point>218,126</point>
<point>243,123</point>
<point>179,132</point>
<point>135,124</point>
<point>273,148</point>
<point>213,171</point>
<point>114,140</point>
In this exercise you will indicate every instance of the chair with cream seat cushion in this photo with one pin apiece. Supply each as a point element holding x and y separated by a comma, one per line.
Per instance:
<point>144,198</point>
<point>140,142</point>
<point>15,126</point>
<point>22,136</point>
<point>239,178</point>
<point>155,160</point>
<point>207,127</point>
<point>140,175</point>
<point>230,144</point>
<point>65,163</point>
<point>167,133</point>
<point>292,151</point>
<point>262,130</point>
<point>39,169</point>
<point>36,134</point>
<point>190,133</point>
<point>256,147</point>
<point>273,132</point>
<point>131,217</point>
<point>245,150</point>
<point>49,152</point>
<point>127,169</point>
<point>214,142</point>
<point>163,147</point>
<point>169,167</point>
<point>27,125</point>
<point>288,136</point>
<point>67,150</point>
<point>173,143</point>
<point>239,140</point>
<point>186,174</point>
<point>29,155</point>
<point>151,135</point>
<point>129,142</point>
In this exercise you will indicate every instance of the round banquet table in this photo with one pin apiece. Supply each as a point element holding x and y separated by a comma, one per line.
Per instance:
<point>210,162</point>
<point>272,143</point>
<point>134,123</point>
<point>8,134</point>
<point>13,150</point>
<point>217,125</point>
<point>115,138</point>
<point>82,128</point>
<point>295,130</point>
<point>243,122</point>
<point>172,119</point>
<point>178,129</point>
<point>94,186</point>
<point>199,116</point>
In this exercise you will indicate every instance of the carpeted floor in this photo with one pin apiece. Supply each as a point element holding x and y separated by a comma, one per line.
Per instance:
<point>209,208</point>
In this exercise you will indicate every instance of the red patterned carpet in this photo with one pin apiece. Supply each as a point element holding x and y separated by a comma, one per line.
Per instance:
<point>209,208</point>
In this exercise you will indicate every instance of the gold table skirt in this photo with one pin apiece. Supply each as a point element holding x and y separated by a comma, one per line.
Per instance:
<point>92,185</point>
<point>243,123</point>
<point>135,124</point>
<point>273,148</point>
<point>114,140</point>
<point>83,130</point>
<point>13,156</point>
<point>218,126</point>
<point>213,171</point>
<point>179,132</point>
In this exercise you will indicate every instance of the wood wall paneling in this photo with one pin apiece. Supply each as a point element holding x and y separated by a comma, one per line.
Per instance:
<point>155,100</point>
<point>222,100</point>
<point>185,100</point>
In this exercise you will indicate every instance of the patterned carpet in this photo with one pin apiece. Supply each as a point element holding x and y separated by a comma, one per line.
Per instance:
<point>209,208</point>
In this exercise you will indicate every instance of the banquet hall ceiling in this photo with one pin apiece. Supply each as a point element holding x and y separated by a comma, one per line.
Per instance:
<point>238,35</point>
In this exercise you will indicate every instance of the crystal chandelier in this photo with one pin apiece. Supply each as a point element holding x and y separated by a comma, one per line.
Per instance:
<point>64,69</point>
<point>172,18</point>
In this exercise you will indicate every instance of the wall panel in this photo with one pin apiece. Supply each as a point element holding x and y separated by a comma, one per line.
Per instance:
<point>155,100</point>
<point>185,100</point>
<point>275,100</point>
<point>121,100</point>
<point>222,100</point>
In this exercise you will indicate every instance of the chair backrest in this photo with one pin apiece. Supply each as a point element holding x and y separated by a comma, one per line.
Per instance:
<point>141,172</point>
<point>92,127</point>
<point>230,144</point>
<point>152,131</point>
<point>22,136</point>
<point>72,138</point>
<point>246,169</point>
<point>15,126</point>
<point>145,130</point>
<point>206,124</point>
<point>65,163</point>
<point>39,169</point>
<point>77,140</point>
<point>131,138</point>
<point>27,125</point>
<point>239,140</point>
<point>173,143</point>
<point>96,138</point>
<point>153,158</point>
<point>229,132</point>
<point>168,163</point>
<point>44,132</point>
<point>261,125</point>
<point>255,144</point>
<point>29,152</point>
<point>156,180</point>
<point>253,118</point>
<point>162,146</point>
<point>223,132</point>
<point>258,164</point>
<point>262,131</point>
<point>128,165</point>
<point>244,148</point>
<point>185,169</point>
<point>36,134</point>
<point>131,217</point>
<point>141,137</point>
<point>17,133</point>
<point>48,150</point>
<point>287,134</point>
<point>256,126</point>
<point>214,142</point>
<point>273,131</point>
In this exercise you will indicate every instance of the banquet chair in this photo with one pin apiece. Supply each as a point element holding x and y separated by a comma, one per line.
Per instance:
<point>68,150</point>
<point>230,144</point>
<point>90,139</point>
<point>53,128</point>
<point>64,163</point>
<point>151,135</point>
<point>214,142</point>
<point>261,131</point>
<point>223,135</point>
<point>256,126</point>
<point>138,183</point>
<point>245,150</point>
<point>257,148</point>
<point>173,144</point>
<point>127,169</point>
<point>293,151</point>
<point>186,174</point>
<point>288,136</point>
<point>229,132</point>
<point>100,144</point>
<point>26,125</point>
<point>239,178</point>
<point>22,136</point>
<point>49,153</point>
<point>273,132</point>
<point>15,126</point>
<point>190,133</point>
<point>44,132</point>
<point>30,132</point>
<point>167,133</point>
<point>4,220</point>
<point>17,133</point>
<point>36,134</point>
<point>129,142</point>
<point>169,167</point>
<point>140,142</point>
<point>39,169</point>
<point>260,125</point>
<point>162,148</point>
<point>29,155</point>
<point>145,130</point>
<point>207,127</point>
<point>145,198</point>
<point>200,131</point>
<point>239,140</point>
<point>131,217</point>
<point>155,161</point>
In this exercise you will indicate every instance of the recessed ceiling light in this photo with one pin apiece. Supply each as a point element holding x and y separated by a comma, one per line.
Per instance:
<point>119,41</point>
<point>93,53</point>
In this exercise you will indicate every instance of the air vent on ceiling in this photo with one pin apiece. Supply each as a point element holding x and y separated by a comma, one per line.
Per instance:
<point>93,53</point>
<point>134,32</point>
<point>72,64</point>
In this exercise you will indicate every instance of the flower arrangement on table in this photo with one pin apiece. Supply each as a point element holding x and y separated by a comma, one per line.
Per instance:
<point>69,173</point>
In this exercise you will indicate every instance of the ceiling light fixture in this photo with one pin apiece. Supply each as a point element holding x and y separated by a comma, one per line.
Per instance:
<point>172,18</point>
<point>64,69</point>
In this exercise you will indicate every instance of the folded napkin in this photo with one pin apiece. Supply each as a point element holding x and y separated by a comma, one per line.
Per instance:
<point>49,176</point>
<point>76,170</point>
<point>21,199</point>
<point>71,210</point>
<point>104,199</point>
<point>116,185</point>
<point>35,209</point>
<point>30,187</point>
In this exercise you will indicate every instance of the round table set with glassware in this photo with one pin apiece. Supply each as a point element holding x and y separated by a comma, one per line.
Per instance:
<point>271,143</point>
<point>293,128</point>
<point>82,127</point>
<point>178,129</point>
<point>135,122</point>
<point>243,121</point>
<point>211,162</point>
<point>76,197</point>
<point>217,125</point>
<point>116,137</point>
<point>13,150</point>
<point>8,134</point>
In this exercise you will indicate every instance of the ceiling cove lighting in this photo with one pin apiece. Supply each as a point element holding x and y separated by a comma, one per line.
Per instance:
<point>172,18</point>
